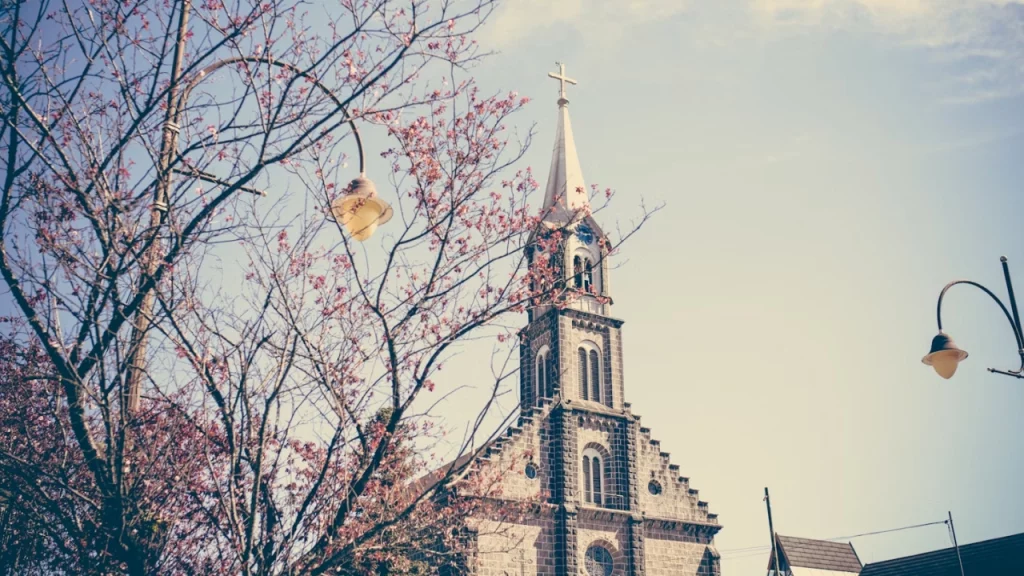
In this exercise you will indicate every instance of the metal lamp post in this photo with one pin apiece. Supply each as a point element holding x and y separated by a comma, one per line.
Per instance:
<point>944,355</point>
<point>359,210</point>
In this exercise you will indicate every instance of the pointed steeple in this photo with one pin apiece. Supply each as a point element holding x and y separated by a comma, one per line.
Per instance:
<point>566,194</point>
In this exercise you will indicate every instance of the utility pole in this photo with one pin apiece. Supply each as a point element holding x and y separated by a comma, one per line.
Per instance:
<point>771,528</point>
<point>955,545</point>
<point>157,217</point>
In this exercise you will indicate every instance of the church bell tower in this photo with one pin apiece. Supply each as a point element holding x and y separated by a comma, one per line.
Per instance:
<point>611,503</point>
<point>571,344</point>
<point>571,359</point>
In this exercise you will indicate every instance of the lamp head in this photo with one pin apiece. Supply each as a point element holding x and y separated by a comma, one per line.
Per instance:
<point>360,210</point>
<point>944,356</point>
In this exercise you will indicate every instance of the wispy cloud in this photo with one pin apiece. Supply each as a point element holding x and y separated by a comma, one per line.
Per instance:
<point>519,20</point>
<point>981,40</point>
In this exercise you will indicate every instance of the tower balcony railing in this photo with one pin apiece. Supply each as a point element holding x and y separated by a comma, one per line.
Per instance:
<point>608,501</point>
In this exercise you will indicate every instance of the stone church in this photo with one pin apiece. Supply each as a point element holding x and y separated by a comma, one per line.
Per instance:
<point>610,500</point>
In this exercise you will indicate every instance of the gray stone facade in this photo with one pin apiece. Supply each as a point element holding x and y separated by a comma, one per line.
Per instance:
<point>649,520</point>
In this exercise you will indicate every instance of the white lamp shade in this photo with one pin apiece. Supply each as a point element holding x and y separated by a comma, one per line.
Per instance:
<point>945,363</point>
<point>361,211</point>
<point>944,356</point>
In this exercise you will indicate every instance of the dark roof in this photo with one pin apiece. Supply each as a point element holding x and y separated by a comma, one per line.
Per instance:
<point>428,480</point>
<point>820,554</point>
<point>989,557</point>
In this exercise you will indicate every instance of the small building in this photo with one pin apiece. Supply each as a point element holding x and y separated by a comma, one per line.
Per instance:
<point>994,557</point>
<point>805,557</point>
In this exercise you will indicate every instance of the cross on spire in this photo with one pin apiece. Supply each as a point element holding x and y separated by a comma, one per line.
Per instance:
<point>562,79</point>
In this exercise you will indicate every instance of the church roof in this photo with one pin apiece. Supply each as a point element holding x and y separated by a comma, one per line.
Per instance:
<point>998,556</point>
<point>451,470</point>
<point>565,195</point>
<point>818,554</point>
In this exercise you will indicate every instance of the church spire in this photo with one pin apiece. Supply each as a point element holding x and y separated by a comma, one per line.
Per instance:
<point>566,193</point>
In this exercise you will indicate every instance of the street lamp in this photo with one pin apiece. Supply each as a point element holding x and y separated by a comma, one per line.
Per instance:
<point>360,210</point>
<point>944,355</point>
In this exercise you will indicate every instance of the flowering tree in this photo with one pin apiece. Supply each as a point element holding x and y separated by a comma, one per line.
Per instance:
<point>159,414</point>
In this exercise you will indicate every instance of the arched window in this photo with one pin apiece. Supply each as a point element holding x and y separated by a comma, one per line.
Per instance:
<point>593,477</point>
<point>599,561</point>
<point>587,493</point>
<point>543,374</point>
<point>577,271</point>
<point>589,368</point>
<point>588,275</point>
<point>584,389</point>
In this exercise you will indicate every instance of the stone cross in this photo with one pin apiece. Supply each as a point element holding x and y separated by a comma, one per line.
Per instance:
<point>562,79</point>
<point>522,561</point>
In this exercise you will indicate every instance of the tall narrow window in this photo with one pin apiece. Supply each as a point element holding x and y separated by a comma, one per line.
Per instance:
<point>588,275</point>
<point>593,476</point>
<point>587,494</point>
<point>542,374</point>
<point>549,370</point>
<point>577,271</point>
<point>533,277</point>
<point>584,390</point>
<point>595,377</point>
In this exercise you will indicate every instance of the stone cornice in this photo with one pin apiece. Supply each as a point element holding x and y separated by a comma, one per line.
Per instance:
<point>590,316</point>
<point>584,407</point>
<point>673,524</point>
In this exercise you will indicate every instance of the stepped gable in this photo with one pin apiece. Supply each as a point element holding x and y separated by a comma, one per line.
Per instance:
<point>515,448</point>
<point>675,499</point>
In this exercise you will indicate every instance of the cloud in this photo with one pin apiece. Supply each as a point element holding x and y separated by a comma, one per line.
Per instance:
<point>518,20</point>
<point>985,37</point>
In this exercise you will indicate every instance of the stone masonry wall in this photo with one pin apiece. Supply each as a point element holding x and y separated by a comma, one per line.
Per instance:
<point>672,557</point>
<point>611,534</point>
<point>526,443</point>
<point>677,500</point>
<point>577,328</point>
<point>515,550</point>
<point>534,338</point>
<point>605,433</point>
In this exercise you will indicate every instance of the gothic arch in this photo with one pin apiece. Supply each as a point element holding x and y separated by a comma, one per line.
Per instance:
<point>543,380</point>
<point>586,270</point>
<point>590,373</point>
<point>617,557</point>
<point>597,479</point>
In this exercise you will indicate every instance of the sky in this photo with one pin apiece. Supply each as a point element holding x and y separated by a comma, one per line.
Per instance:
<point>826,167</point>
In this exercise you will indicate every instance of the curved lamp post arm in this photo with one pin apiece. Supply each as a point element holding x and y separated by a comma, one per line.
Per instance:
<point>1013,303</point>
<point>202,74</point>
<point>1006,312</point>
<point>1011,318</point>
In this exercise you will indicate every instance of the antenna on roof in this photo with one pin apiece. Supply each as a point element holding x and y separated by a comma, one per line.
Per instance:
<point>952,531</point>
<point>771,528</point>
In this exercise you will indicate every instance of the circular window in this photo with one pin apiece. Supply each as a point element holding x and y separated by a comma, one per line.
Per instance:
<point>531,471</point>
<point>599,561</point>
<point>654,488</point>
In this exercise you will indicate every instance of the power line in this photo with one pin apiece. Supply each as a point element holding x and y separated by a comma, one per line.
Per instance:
<point>754,550</point>
<point>889,530</point>
<point>748,549</point>
<point>748,554</point>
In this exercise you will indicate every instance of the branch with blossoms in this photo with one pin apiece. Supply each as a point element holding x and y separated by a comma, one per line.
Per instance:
<point>289,374</point>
